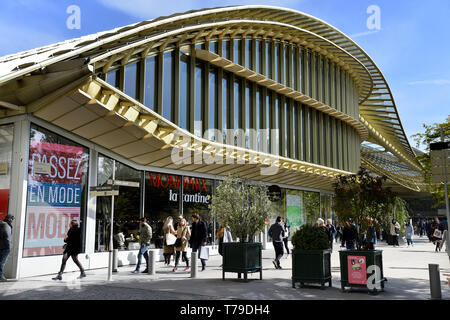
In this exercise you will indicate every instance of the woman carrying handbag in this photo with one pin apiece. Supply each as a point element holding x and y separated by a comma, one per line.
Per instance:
<point>183,235</point>
<point>169,240</point>
<point>71,249</point>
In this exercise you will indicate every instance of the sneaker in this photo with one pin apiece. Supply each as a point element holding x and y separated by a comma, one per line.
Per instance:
<point>58,277</point>
<point>82,275</point>
<point>135,271</point>
<point>174,269</point>
<point>203,268</point>
<point>145,271</point>
<point>3,279</point>
<point>279,267</point>
<point>186,269</point>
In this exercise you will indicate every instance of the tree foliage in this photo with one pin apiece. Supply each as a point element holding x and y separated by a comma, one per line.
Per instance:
<point>361,196</point>
<point>242,206</point>
<point>432,134</point>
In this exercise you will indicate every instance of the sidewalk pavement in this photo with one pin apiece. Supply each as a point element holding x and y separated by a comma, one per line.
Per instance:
<point>405,268</point>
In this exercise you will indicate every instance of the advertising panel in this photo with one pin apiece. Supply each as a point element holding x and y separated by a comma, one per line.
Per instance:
<point>53,198</point>
<point>357,269</point>
<point>294,209</point>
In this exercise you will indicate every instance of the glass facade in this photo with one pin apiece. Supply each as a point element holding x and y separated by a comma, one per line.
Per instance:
<point>307,136</point>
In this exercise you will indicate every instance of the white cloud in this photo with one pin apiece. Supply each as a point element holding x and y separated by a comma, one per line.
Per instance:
<point>150,9</point>
<point>437,82</point>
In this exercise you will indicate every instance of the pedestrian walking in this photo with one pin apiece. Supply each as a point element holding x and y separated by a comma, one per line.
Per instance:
<point>5,243</point>
<point>371,236</point>
<point>331,232</point>
<point>349,236</point>
<point>169,238</point>
<point>183,235</point>
<point>286,235</point>
<point>276,232</point>
<point>199,236</point>
<point>409,232</point>
<point>436,233</point>
<point>444,237</point>
<point>71,249</point>
<point>394,232</point>
<point>145,236</point>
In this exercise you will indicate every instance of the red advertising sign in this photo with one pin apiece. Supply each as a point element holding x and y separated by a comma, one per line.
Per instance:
<point>357,269</point>
<point>4,199</point>
<point>53,199</point>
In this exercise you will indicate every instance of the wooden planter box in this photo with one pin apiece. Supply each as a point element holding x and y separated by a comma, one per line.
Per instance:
<point>371,257</point>
<point>311,266</point>
<point>242,258</point>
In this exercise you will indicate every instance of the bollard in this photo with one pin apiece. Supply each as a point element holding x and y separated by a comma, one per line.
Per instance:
<point>115,260</point>
<point>435,282</point>
<point>193,264</point>
<point>152,262</point>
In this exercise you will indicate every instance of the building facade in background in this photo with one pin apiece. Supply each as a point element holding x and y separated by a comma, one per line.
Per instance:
<point>170,106</point>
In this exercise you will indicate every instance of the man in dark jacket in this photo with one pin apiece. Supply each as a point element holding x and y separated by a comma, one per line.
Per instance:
<point>199,235</point>
<point>349,236</point>
<point>5,243</point>
<point>276,232</point>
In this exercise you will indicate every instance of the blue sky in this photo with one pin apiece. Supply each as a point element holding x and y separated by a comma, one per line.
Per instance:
<point>411,48</point>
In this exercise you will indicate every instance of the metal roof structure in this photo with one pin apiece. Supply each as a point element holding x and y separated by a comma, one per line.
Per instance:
<point>32,78</point>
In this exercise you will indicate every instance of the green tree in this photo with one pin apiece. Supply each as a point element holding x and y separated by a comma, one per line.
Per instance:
<point>242,206</point>
<point>432,134</point>
<point>361,196</point>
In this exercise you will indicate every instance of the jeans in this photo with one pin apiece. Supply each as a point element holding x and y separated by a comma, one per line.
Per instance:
<point>409,241</point>
<point>3,256</point>
<point>278,246</point>
<point>142,251</point>
<point>349,245</point>
<point>285,241</point>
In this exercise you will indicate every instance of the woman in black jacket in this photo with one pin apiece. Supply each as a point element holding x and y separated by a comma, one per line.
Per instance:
<point>72,249</point>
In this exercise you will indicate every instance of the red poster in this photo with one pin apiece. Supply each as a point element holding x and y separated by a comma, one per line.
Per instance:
<point>357,271</point>
<point>4,199</point>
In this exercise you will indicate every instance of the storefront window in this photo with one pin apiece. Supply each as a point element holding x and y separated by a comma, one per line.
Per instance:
<point>197,194</point>
<point>126,207</point>
<point>162,199</point>
<point>311,202</point>
<point>6,142</point>
<point>57,189</point>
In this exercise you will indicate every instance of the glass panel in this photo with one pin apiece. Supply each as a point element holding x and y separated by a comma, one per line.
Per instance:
<point>199,89</point>
<point>258,117</point>
<point>278,205</point>
<point>112,78</point>
<point>225,103</point>
<point>226,49</point>
<point>248,53</point>
<point>213,47</point>
<point>300,68</point>
<point>197,194</point>
<point>167,85</point>
<point>237,103</point>
<point>212,102</point>
<point>6,146</point>
<point>237,51</point>
<point>275,139</point>
<point>56,191</point>
<point>184,90</point>
<point>287,72</point>
<point>130,84</point>
<point>294,116</point>
<point>268,119</point>
<point>150,82</point>
<point>311,202</point>
<point>286,129</point>
<point>277,62</point>
<point>248,93</point>
<point>268,60</point>
<point>294,210</point>
<point>258,56</point>
<point>162,199</point>
<point>126,208</point>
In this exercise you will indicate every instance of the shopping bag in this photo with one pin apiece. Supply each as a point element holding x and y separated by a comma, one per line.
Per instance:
<point>204,253</point>
<point>170,239</point>
<point>437,234</point>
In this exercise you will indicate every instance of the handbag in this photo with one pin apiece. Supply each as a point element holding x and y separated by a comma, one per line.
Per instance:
<point>178,243</point>
<point>204,253</point>
<point>437,233</point>
<point>170,239</point>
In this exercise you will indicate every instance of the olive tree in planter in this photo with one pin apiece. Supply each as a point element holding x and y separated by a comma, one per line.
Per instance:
<point>311,257</point>
<point>361,198</point>
<point>244,208</point>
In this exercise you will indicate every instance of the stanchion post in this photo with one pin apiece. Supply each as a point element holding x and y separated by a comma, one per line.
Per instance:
<point>115,260</point>
<point>152,262</point>
<point>435,282</point>
<point>193,264</point>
